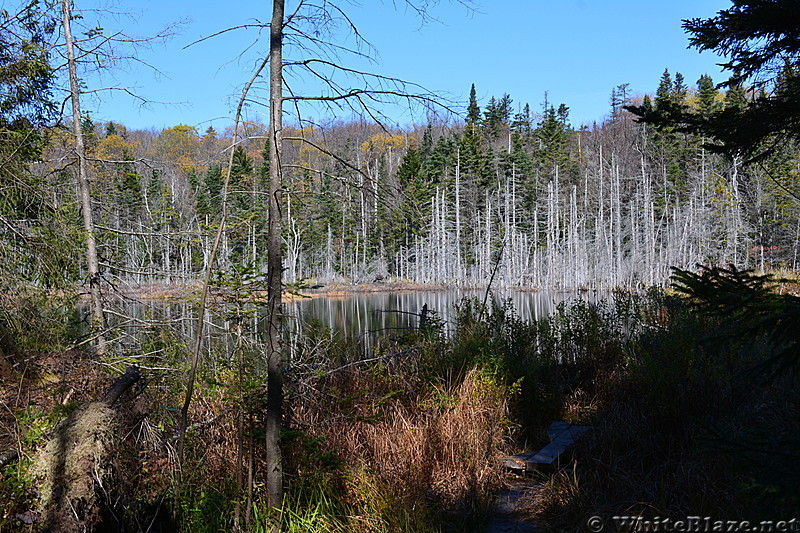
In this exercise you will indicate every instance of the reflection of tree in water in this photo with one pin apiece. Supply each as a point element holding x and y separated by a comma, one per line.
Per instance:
<point>361,317</point>
<point>357,315</point>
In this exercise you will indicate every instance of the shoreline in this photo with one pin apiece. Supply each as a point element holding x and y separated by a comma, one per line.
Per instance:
<point>174,291</point>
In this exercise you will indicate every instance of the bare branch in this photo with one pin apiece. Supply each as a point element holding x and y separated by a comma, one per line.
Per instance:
<point>144,234</point>
<point>260,25</point>
<point>329,154</point>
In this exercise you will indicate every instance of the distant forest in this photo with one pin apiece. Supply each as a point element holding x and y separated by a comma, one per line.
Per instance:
<point>509,192</point>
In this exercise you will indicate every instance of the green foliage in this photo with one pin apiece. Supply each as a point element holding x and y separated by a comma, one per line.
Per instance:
<point>715,359</point>
<point>497,115</point>
<point>681,422</point>
<point>209,195</point>
<point>544,361</point>
<point>207,510</point>
<point>16,491</point>
<point>674,357</point>
<point>17,485</point>
<point>553,135</point>
<point>34,320</point>
<point>473,111</point>
<point>128,185</point>
<point>242,181</point>
<point>406,221</point>
<point>30,250</point>
<point>760,48</point>
<point>750,309</point>
<point>314,497</point>
<point>707,94</point>
<point>25,73</point>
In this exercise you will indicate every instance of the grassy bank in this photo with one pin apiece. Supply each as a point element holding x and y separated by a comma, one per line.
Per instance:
<point>687,420</point>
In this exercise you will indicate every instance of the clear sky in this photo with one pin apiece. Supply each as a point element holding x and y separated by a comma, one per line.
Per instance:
<point>575,50</point>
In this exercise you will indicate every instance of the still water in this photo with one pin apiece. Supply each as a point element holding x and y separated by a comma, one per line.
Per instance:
<point>370,314</point>
<point>362,317</point>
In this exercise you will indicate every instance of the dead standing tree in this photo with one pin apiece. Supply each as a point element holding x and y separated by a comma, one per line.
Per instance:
<point>95,51</point>
<point>308,30</point>
<point>84,193</point>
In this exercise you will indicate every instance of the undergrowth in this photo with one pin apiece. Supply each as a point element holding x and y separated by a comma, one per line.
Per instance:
<point>686,423</point>
<point>410,440</point>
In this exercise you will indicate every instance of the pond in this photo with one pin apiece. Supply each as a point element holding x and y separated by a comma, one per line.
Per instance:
<point>360,316</point>
<point>375,313</point>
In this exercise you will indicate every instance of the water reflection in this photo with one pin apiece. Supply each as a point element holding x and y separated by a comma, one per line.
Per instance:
<point>369,314</point>
<point>358,316</point>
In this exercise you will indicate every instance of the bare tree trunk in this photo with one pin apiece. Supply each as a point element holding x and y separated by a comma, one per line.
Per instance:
<point>459,273</point>
<point>274,481</point>
<point>84,192</point>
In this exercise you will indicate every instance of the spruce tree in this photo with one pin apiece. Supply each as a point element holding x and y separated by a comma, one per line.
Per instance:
<point>679,90</point>
<point>707,94</point>
<point>760,41</point>
<point>473,111</point>
<point>735,98</point>
<point>210,202</point>
<point>553,135</point>
<point>491,118</point>
<point>664,92</point>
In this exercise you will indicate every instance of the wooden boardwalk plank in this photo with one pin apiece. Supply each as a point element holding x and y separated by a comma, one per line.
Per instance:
<point>562,437</point>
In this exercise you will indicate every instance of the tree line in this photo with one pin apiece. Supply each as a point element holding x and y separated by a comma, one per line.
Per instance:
<point>508,192</point>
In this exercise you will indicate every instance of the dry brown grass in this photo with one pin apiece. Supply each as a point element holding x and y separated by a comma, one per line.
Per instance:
<point>412,456</point>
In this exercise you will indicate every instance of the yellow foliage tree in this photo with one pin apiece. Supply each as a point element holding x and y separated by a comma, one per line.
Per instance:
<point>381,143</point>
<point>116,148</point>
<point>178,145</point>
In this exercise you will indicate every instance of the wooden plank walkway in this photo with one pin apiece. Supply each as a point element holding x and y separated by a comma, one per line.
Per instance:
<point>562,437</point>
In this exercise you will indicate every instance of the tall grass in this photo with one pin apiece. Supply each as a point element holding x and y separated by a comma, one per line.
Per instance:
<point>413,456</point>
<point>411,440</point>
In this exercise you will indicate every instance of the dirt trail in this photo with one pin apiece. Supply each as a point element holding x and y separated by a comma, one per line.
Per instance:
<point>505,517</point>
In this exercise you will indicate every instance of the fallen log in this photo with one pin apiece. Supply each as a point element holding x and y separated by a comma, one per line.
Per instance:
<point>6,458</point>
<point>117,389</point>
<point>74,468</point>
<point>121,385</point>
<point>8,352</point>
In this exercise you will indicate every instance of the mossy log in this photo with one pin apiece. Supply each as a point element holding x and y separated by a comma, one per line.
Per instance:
<point>75,467</point>
<point>121,385</point>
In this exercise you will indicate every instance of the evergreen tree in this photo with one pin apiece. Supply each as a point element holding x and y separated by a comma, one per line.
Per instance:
<point>664,93</point>
<point>210,201</point>
<point>522,125</point>
<point>735,98</point>
<point>241,182</point>
<point>553,135</point>
<point>410,215</point>
<point>504,108</point>
<point>679,90</point>
<point>707,94</point>
<point>435,163</point>
<point>497,115</point>
<point>619,98</point>
<point>647,105</point>
<point>128,185</point>
<point>762,49</point>
<point>491,118</point>
<point>38,236</point>
<point>473,111</point>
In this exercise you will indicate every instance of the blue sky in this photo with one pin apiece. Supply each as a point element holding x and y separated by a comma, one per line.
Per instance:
<point>576,50</point>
